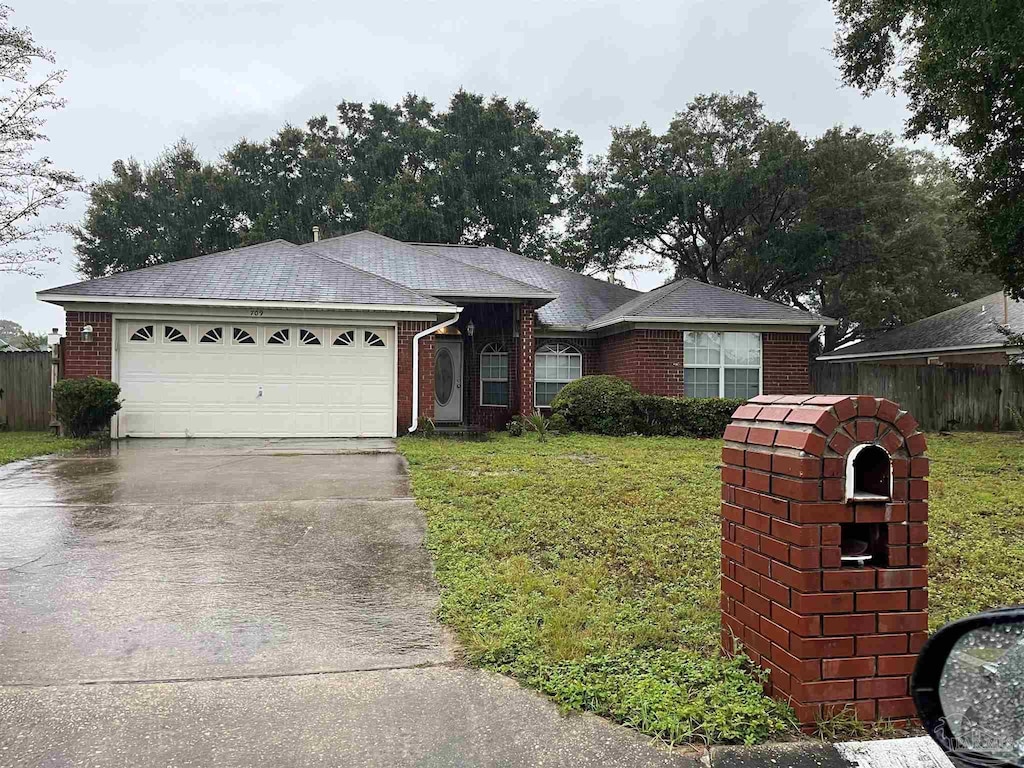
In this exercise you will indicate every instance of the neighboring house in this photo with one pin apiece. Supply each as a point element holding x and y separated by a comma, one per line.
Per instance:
<point>8,347</point>
<point>968,334</point>
<point>362,334</point>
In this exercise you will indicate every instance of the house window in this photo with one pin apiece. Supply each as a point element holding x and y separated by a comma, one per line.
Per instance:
<point>242,336</point>
<point>309,338</point>
<point>555,366</point>
<point>143,333</point>
<point>213,336</point>
<point>371,339</point>
<point>173,335</point>
<point>493,375</point>
<point>722,364</point>
<point>279,337</point>
<point>345,339</point>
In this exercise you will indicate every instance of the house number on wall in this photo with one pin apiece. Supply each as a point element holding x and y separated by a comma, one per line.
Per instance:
<point>255,313</point>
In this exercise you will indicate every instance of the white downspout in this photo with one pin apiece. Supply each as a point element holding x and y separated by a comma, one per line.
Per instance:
<point>816,334</point>
<point>416,364</point>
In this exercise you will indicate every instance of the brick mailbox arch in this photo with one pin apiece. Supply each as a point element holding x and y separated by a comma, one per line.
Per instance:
<point>824,531</point>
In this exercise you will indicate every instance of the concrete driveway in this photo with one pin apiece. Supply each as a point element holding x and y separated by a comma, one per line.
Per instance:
<point>247,602</point>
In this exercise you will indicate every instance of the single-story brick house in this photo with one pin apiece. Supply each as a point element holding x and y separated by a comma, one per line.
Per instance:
<point>360,335</point>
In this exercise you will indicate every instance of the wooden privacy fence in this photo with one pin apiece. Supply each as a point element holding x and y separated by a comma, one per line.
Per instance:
<point>964,397</point>
<point>25,390</point>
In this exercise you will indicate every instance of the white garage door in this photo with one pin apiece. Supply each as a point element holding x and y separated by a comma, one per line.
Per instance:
<point>227,379</point>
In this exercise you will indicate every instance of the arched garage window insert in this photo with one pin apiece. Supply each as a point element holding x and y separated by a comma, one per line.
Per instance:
<point>555,366</point>
<point>494,375</point>
<point>144,333</point>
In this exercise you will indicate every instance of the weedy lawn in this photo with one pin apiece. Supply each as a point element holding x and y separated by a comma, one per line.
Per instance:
<point>15,446</point>
<point>587,567</point>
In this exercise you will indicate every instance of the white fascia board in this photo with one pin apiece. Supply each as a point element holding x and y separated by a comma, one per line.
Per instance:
<point>811,322</point>
<point>157,301</point>
<point>898,354</point>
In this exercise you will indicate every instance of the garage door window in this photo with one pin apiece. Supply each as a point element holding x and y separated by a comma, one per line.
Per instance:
<point>308,338</point>
<point>144,334</point>
<point>174,335</point>
<point>371,339</point>
<point>345,339</point>
<point>279,337</point>
<point>213,335</point>
<point>242,336</point>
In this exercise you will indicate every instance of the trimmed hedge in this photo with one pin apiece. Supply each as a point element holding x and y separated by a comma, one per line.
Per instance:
<point>609,405</point>
<point>84,406</point>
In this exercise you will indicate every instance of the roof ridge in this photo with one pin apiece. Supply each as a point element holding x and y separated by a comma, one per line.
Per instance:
<point>995,297</point>
<point>749,296</point>
<point>336,262</point>
<point>449,260</point>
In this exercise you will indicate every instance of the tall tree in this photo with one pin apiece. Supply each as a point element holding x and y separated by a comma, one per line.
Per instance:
<point>29,184</point>
<point>145,215</point>
<point>961,65</point>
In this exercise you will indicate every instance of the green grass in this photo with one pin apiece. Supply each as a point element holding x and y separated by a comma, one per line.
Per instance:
<point>15,446</point>
<point>587,567</point>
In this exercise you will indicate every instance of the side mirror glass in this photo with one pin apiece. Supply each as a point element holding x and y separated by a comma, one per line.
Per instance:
<point>969,689</point>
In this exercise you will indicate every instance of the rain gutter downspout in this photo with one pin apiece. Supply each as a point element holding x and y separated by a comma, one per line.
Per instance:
<point>416,364</point>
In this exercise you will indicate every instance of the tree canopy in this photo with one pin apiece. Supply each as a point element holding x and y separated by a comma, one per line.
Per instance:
<point>961,66</point>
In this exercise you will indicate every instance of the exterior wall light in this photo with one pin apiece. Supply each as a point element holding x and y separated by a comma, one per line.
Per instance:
<point>470,329</point>
<point>86,333</point>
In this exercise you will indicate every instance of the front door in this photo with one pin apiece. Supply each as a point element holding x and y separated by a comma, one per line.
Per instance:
<point>448,379</point>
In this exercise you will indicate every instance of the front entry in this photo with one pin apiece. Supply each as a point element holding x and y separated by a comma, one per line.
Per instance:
<point>448,379</point>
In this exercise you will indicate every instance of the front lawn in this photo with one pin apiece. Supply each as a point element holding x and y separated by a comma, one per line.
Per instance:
<point>587,567</point>
<point>15,446</point>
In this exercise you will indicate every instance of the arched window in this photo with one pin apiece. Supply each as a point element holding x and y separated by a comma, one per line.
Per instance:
<point>494,375</point>
<point>555,366</point>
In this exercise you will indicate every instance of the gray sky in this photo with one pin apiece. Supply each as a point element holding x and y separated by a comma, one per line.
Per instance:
<point>143,74</point>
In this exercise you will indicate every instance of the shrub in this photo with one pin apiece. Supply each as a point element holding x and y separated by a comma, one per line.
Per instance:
<point>85,406</point>
<point>537,423</point>
<point>687,417</point>
<point>602,404</point>
<point>516,428</point>
<point>557,423</point>
<point>425,426</point>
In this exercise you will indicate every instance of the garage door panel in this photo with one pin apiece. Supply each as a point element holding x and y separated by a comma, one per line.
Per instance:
<point>212,389</point>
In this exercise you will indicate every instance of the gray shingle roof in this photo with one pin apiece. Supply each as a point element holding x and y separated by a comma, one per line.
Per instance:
<point>581,299</point>
<point>693,300</point>
<point>429,273</point>
<point>969,325</point>
<point>274,271</point>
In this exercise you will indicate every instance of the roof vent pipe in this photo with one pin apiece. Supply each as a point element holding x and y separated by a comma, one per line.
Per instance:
<point>316,234</point>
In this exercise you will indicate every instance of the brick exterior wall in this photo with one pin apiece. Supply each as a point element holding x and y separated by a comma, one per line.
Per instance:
<point>88,358</point>
<point>830,635</point>
<point>651,360</point>
<point>407,329</point>
<point>526,348</point>
<point>786,360</point>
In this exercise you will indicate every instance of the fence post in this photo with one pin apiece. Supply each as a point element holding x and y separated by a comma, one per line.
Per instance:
<point>55,374</point>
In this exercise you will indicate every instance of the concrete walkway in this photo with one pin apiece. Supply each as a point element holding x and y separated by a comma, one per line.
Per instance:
<point>248,603</point>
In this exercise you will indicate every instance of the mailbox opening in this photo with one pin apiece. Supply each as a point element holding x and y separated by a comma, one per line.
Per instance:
<point>869,474</point>
<point>863,544</point>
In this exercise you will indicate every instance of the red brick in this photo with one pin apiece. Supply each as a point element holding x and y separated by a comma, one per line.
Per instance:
<point>820,512</point>
<point>840,668</point>
<point>805,581</point>
<point>746,412</point>
<point>822,602</point>
<point>918,490</point>
<point>917,533</point>
<point>732,588</point>
<point>804,558</point>
<point>883,687</point>
<point>833,467</point>
<point>888,411</point>
<point>917,641</point>
<point>732,512</point>
<point>775,413</point>
<point>906,424</point>
<point>891,441</point>
<point>823,419</point>
<point>881,645</point>
<point>732,475</point>
<point>761,436</point>
<point>917,511</point>
<point>918,556</point>
<point>846,408</point>
<point>902,578</point>
<point>820,647</point>
<point>841,443</point>
<point>747,538</point>
<point>799,490</point>
<point>866,430</point>
<point>778,678</point>
<point>748,499</point>
<point>869,513</point>
<point>747,616</point>
<point>900,467</point>
<point>867,406</point>
<point>850,624</point>
<point>775,632</point>
<point>896,513</point>
<point>736,433</point>
<point>796,466</point>
<point>747,577</point>
<point>801,535</point>
<point>882,601</point>
<point>774,507</point>
<point>848,579</point>
<point>831,557</point>
<point>827,690</point>
<point>733,455</point>
<point>757,603</point>
<point>809,442</point>
<point>831,535</point>
<point>775,549</point>
<point>732,551</point>
<point>919,467</point>
<point>899,490</point>
<point>900,707</point>
<point>897,665</point>
<point>804,626</point>
<point>757,481</point>
<point>803,670</point>
<point>758,460</point>
<point>757,563</point>
<point>757,521</point>
<point>896,557</point>
<point>910,621</point>
<point>774,590</point>
<point>897,533</point>
<point>918,600</point>
<point>757,641</point>
<point>916,444</point>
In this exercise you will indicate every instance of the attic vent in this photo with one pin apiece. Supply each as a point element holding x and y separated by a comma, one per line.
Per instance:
<point>869,474</point>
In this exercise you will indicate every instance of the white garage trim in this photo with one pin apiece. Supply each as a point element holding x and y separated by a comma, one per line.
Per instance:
<point>175,389</point>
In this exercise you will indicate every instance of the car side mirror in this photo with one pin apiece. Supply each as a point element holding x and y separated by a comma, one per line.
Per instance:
<point>968,686</point>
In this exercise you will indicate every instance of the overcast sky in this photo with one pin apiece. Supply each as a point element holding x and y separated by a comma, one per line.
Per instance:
<point>143,74</point>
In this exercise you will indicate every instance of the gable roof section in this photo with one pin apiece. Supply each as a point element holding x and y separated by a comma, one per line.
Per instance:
<point>433,274</point>
<point>687,300</point>
<point>277,271</point>
<point>970,326</point>
<point>581,299</point>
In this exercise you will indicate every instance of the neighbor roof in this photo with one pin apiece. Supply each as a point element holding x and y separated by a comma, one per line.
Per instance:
<point>974,325</point>
<point>434,274</point>
<point>690,300</point>
<point>275,271</point>
<point>581,299</point>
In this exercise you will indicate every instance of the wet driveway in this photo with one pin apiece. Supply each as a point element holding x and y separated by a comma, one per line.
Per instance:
<point>246,602</point>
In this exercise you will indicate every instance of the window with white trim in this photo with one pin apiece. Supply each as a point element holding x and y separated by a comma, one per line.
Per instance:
<point>722,364</point>
<point>494,375</point>
<point>554,366</point>
<point>144,333</point>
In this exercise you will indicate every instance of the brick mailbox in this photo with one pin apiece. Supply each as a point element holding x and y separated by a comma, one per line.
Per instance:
<point>824,526</point>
